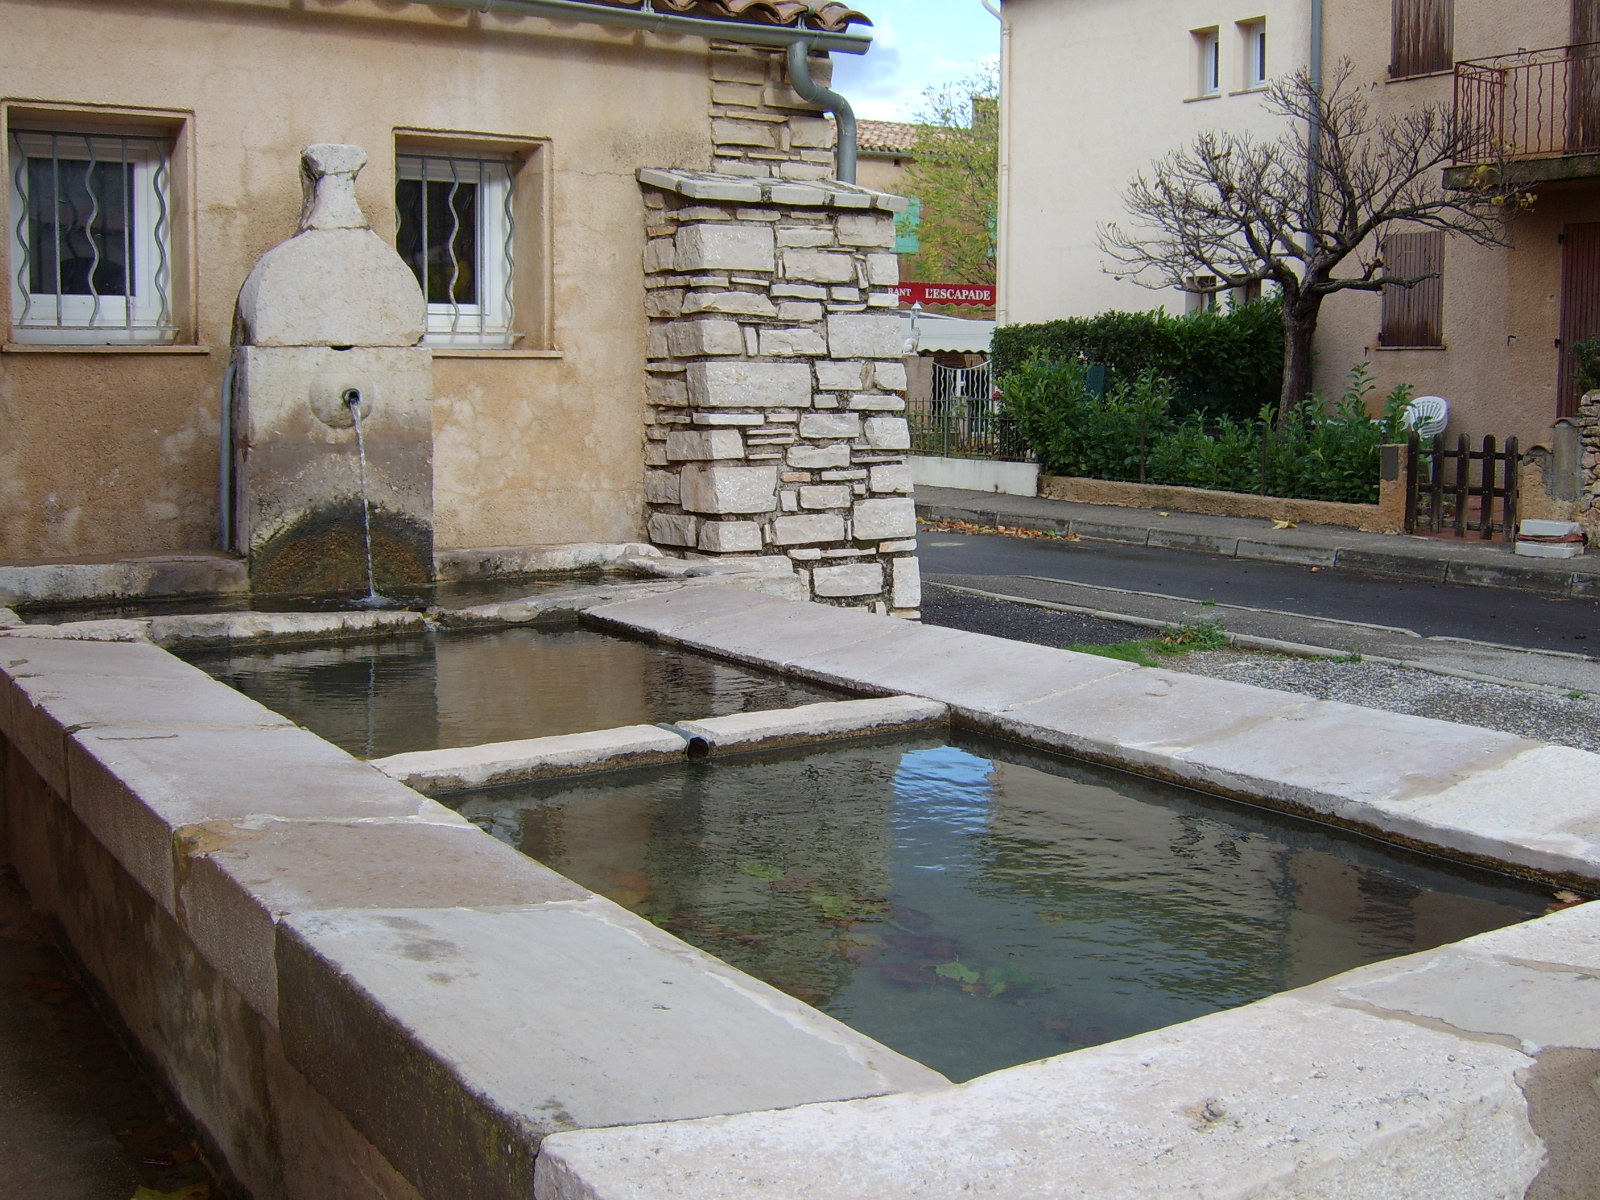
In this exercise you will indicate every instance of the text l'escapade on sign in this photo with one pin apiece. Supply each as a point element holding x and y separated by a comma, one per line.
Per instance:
<point>979,294</point>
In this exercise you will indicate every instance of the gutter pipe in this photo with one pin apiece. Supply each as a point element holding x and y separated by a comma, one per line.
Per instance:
<point>843,115</point>
<point>225,454</point>
<point>800,43</point>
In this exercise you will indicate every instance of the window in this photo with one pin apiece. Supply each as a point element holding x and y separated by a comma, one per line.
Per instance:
<point>91,227</point>
<point>1253,41</point>
<point>1421,37</point>
<point>1208,57</point>
<point>1413,316</point>
<point>456,227</point>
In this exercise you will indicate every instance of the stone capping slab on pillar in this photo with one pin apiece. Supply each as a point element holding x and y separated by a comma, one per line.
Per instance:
<point>704,185</point>
<point>810,724</point>
<point>494,764</point>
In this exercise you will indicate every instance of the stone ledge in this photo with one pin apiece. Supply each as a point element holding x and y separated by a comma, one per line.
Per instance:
<point>494,764</point>
<point>710,186</point>
<point>811,724</point>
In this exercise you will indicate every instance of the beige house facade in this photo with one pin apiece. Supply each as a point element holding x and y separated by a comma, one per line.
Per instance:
<point>504,144</point>
<point>1096,90</point>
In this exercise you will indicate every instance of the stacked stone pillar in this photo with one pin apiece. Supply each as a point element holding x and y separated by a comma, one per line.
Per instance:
<point>776,392</point>
<point>1589,481</point>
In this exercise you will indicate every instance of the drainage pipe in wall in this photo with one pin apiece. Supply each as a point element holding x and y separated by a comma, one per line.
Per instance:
<point>225,455</point>
<point>843,115</point>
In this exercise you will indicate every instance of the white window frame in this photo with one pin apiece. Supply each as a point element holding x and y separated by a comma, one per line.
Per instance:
<point>1253,39</point>
<point>1208,61</point>
<point>143,312</point>
<point>487,322</point>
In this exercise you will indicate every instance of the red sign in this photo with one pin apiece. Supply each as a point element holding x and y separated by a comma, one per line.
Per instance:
<point>979,294</point>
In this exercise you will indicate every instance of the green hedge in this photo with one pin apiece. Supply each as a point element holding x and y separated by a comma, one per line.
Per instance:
<point>1227,363</point>
<point>1134,434</point>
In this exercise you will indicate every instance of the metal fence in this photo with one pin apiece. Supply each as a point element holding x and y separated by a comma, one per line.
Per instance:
<point>961,418</point>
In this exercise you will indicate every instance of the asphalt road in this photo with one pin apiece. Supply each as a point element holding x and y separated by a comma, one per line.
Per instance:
<point>1429,609</point>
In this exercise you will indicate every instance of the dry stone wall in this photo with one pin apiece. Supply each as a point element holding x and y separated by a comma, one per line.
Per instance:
<point>776,390</point>
<point>1589,433</point>
<point>760,126</point>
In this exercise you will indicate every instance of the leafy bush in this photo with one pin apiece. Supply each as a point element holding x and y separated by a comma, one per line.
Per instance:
<point>1133,435</point>
<point>1586,364</point>
<point>1226,362</point>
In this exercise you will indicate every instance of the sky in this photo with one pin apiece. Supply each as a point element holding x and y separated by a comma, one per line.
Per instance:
<point>916,44</point>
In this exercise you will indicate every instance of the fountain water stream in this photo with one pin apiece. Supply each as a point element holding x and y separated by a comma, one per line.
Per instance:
<point>352,400</point>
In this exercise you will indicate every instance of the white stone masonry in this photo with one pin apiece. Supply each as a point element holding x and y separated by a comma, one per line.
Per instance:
<point>776,417</point>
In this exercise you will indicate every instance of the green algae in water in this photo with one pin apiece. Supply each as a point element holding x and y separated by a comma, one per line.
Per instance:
<point>979,905</point>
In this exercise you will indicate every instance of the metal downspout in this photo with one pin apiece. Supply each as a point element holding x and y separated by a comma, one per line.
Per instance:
<point>844,116</point>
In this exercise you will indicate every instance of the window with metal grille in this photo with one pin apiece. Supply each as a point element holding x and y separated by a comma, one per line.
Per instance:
<point>456,228</point>
<point>1421,33</point>
<point>91,237</point>
<point>1413,316</point>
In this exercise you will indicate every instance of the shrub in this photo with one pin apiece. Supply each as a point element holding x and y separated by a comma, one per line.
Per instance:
<point>1133,435</point>
<point>1224,362</point>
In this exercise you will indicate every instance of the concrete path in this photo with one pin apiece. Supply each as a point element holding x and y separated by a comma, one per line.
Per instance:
<point>1425,559</point>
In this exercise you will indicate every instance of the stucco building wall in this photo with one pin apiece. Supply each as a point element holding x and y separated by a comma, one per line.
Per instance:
<point>114,450</point>
<point>1094,90</point>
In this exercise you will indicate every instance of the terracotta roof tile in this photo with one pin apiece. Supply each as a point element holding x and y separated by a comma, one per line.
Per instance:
<point>886,137</point>
<point>828,16</point>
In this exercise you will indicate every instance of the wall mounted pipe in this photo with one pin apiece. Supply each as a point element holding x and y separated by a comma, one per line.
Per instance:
<point>225,455</point>
<point>843,115</point>
<point>654,22</point>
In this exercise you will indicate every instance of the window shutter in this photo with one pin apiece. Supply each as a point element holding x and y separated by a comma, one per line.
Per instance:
<point>1413,316</point>
<point>1421,37</point>
<point>906,224</point>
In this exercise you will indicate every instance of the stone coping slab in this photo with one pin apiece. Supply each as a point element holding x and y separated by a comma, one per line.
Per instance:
<point>809,724</point>
<point>457,1039</point>
<point>496,763</point>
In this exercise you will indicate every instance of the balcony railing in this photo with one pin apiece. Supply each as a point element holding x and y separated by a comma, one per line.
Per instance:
<point>1529,105</point>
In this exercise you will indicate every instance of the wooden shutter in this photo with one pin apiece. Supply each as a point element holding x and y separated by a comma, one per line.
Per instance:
<point>1413,316</point>
<point>1583,79</point>
<point>1580,304</point>
<point>1421,33</point>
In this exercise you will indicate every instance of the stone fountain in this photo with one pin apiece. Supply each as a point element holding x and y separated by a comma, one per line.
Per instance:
<point>328,331</point>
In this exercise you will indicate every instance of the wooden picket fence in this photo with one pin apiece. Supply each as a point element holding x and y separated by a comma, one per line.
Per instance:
<point>1458,490</point>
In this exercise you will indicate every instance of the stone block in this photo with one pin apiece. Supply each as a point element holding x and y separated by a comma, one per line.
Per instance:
<point>890,376</point>
<point>807,530</point>
<point>825,496</point>
<point>866,229</point>
<point>690,339</point>
<point>724,248</point>
<point>798,195</point>
<point>669,391</point>
<point>834,375</point>
<point>701,444</point>
<point>876,520</point>
<point>831,425</point>
<point>659,255</point>
<point>671,529</point>
<point>864,335</point>
<point>890,477</point>
<point>730,537</point>
<point>887,433</point>
<point>798,291</point>
<point>855,579</point>
<point>655,454</point>
<point>817,457</point>
<point>800,310</point>
<point>905,588</point>
<point>793,343</point>
<point>744,133</point>
<point>663,302</point>
<point>810,133</point>
<point>744,304</point>
<point>819,266</point>
<point>727,489</point>
<point>883,270</point>
<point>849,295</point>
<point>877,402</point>
<point>749,385</point>
<point>807,237</point>
<point>789,499</point>
<point>660,487</point>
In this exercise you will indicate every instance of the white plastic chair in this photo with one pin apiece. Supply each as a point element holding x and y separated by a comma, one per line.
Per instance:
<point>1428,415</point>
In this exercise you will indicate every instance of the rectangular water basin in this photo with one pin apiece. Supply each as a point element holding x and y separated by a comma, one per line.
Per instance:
<point>977,905</point>
<point>465,688</point>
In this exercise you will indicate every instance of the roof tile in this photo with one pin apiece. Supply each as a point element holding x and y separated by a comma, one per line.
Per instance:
<point>827,16</point>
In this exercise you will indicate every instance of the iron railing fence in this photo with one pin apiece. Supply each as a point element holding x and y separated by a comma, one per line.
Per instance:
<point>962,418</point>
<point>1531,104</point>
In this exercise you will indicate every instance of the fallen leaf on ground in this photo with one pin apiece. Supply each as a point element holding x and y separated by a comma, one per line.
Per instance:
<point>1283,525</point>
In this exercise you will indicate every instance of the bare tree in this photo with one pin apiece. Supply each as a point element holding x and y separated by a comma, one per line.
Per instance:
<point>1307,211</point>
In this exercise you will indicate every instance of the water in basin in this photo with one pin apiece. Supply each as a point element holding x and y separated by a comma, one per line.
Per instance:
<point>465,688</point>
<point>977,905</point>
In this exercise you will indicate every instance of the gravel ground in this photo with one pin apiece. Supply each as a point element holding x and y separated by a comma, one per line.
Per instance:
<point>1563,720</point>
